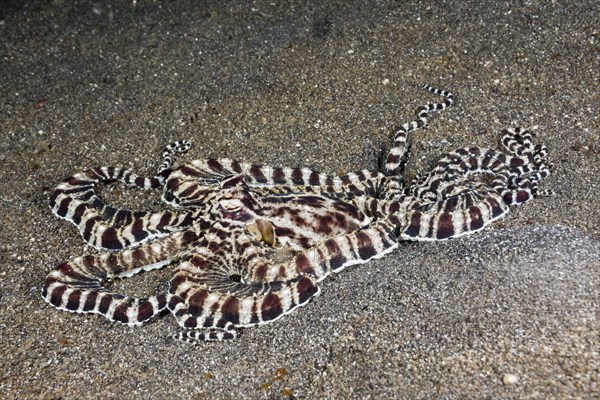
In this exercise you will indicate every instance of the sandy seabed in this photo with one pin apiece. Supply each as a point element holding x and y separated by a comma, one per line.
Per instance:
<point>511,312</point>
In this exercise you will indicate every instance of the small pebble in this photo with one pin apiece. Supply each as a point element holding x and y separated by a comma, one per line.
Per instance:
<point>510,379</point>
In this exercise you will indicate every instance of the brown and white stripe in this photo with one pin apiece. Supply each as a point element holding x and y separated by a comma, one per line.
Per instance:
<point>277,289</point>
<point>199,307</point>
<point>76,286</point>
<point>453,217</point>
<point>194,183</point>
<point>105,227</point>
<point>399,147</point>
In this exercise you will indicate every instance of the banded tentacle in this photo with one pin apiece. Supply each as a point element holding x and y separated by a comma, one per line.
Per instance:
<point>220,313</point>
<point>106,227</point>
<point>204,296</point>
<point>195,183</point>
<point>169,154</point>
<point>464,209</point>
<point>458,215</point>
<point>394,158</point>
<point>76,286</point>
<point>525,176</point>
<point>213,291</point>
<point>515,176</point>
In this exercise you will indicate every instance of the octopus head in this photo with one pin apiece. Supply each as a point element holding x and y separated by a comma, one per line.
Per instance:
<point>236,202</point>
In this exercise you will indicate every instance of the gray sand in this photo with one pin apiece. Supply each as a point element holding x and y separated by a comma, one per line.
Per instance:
<point>511,312</point>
